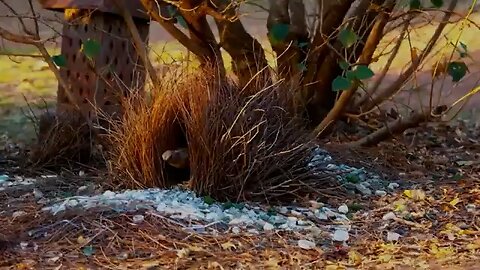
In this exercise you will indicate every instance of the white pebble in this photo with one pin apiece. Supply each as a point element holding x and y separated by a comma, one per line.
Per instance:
<point>343,209</point>
<point>381,193</point>
<point>138,219</point>
<point>321,215</point>
<point>316,205</point>
<point>268,227</point>
<point>37,194</point>
<point>305,244</point>
<point>340,235</point>
<point>23,245</point>
<point>393,236</point>
<point>283,210</point>
<point>470,208</point>
<point>236,230</point>
<point>81,173</point>
<point>17,214</point>
<point>389,216</point>
<point>393,186</point>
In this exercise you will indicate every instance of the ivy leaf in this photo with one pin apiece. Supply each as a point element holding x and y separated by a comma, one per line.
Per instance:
<point>59,60</point>
<point>181,21</point>
<point>279,32</point>
<point>437,3</point>
<point>350,75</point>
<point>302,66</point>
<point>457,70</point>
<point>208,200</point>
<point>341,83</point>
<point>88,251</point>
<point>347,37</point>
<point>91,48</point>
<point>363,72</point>
<point>343,64</point>
<point>302,45</point>
<point>415,4</point>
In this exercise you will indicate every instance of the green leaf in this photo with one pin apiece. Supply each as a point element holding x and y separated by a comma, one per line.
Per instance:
<point>302,44</point>
<point>352,178</point>
<point>415,4</point>
<point>279,32</point>
<point>302,66</point>
<point>88,251</point>
<point>91,48</point>
<point>457,70</point>
<point>437,3</point>
<point>350,75</point>
<point>363,72</point>
<point>347,37</point>
<point>59,60</point>
<point>343,64</point>
<point>208,200</point>
<point>341,83</point>
<point>181,21</point>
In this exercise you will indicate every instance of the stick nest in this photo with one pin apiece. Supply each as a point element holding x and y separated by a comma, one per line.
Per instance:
<point>240,146</point>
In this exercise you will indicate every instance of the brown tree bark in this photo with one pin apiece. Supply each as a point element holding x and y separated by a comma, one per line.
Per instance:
<point>248,57</point>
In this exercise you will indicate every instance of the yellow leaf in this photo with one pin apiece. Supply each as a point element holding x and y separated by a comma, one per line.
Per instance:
<point>214,265</point>
<point>454,202</point>
<point>272,263</point>
<point>354,257</point>
<point>475,245</point>
<point>228,246</point>
<point>415,194</point>
<point>183,253</point>
<point>385,258</point>
<point>81,240</point>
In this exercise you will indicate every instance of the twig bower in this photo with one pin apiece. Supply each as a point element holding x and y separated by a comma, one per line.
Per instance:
<point>97,83</point>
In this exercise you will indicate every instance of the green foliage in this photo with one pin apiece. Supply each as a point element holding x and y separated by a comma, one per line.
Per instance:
<point>59,60</point>
<point>437,3</point>
<point>457,70</point>
<point>347,37</point>
<point>341,83</point>
<point>88,251</point>
<point>415,4</point>
<point>173,12</point>
<point>363,72</point>
<point>279,32</point>
<point>344,65</point>
<point>91,48</point>
<point>208,200</point>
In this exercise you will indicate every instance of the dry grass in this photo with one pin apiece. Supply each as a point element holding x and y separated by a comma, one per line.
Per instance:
<point>240,146</point>
<point>62,140</point>
<point>245,147</point>
<point>149,127</point>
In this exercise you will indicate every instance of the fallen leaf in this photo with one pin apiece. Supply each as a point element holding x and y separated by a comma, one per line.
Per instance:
<point>354,257</point>
<point>415,194</point>
<point>454,202</point>
<point>228,246</point>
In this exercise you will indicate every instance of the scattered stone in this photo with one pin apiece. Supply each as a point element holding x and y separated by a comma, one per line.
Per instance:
<point>18,214</point>
<point>321,215</point>
<point>37,194</point>
<point>23,245</point>
<point>138,219</point>
<point>380,193</point>
<point>236,230</point>
<point>81,173</point>
<point>3,178</point>
<point>283,210</point>
<point>253,231</point>
<point>363,189</point>
<point>393,186</point>
<point>268,227</point>
<point>470,208</point>
<point>393,236</point>
<point>340,235</point>
<point>389,216</point>
<point>316,205</point>
<point>343,209</point>
<point>306,244</point>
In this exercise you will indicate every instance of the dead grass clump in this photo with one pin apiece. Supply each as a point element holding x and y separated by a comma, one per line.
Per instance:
<point>148,128</point>
<point>62,140</point>
<point>246,147</point>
